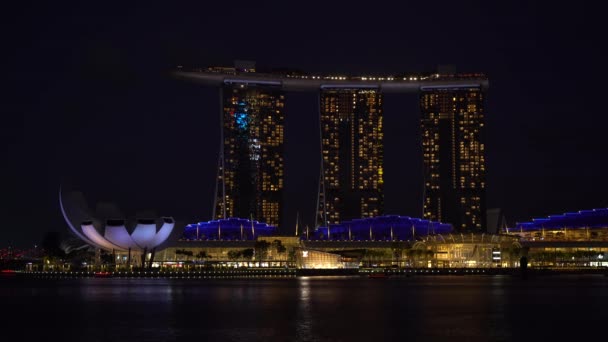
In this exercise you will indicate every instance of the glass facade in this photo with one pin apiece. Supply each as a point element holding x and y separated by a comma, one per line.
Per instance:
<point>251,166</point>
<point>351,179</point>
<point>307,259</point>
<point>454,156</point>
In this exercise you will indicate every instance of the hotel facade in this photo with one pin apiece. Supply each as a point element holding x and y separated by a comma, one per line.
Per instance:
<point>250,176</point>
<point>453,148</point>
<point>351,179</point>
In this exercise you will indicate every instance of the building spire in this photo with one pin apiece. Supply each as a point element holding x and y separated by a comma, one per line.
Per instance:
<point>252,229</point>
<point>297,218</point>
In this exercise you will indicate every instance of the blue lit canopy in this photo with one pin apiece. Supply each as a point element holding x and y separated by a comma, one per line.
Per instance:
<point>228,229</point>
<point>593,218</point>
<point>390,227</point>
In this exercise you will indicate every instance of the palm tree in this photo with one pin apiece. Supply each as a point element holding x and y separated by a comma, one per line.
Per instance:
<point>233,255</point>
<point>202,255</point>
<point>261,249</point>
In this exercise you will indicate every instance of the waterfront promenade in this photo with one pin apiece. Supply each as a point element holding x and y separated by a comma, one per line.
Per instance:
<point>292,273</point>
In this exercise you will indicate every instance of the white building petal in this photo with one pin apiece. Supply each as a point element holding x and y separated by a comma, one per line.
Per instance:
<point>119,236</point>
<point>91,233</point>
<point>67,220</point>
<point>144,234</point>
<point>164,231</point>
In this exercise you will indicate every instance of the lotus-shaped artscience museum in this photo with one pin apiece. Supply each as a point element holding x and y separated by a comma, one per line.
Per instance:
<point>113,234</point>
<point>116,236</point>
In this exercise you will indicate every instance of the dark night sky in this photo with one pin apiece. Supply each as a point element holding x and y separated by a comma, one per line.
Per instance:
<point>89,102</point>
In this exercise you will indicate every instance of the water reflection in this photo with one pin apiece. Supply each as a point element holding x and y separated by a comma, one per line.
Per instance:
<point>304,316</point>
<point>437,308</point>
<point>126,290</point>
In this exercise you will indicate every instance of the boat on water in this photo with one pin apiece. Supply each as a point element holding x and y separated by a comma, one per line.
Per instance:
<point>8,273</point>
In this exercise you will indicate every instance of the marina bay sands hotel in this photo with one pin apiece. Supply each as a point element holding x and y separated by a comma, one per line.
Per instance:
<point>250,178</point>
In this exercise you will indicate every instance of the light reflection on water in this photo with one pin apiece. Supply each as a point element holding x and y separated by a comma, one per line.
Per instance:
<point>433,308</point>
<point>304,316</point>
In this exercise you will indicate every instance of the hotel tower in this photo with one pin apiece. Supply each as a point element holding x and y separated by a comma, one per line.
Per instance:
<point>350,183</point>
<point>250,175</point>
<point>454,155</point>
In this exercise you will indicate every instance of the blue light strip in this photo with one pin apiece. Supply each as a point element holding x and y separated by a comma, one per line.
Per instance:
<point>403,228</point>
<point>579,220</point>
<point>230,230</point>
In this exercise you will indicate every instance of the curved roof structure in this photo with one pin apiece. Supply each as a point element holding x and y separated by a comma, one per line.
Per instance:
<point>388,227</point>
<point>118,235</point>
<point>145,236</point>
<point>74,211</point>
<point>228,229</point>
<point>113,233</point>
<point>291,82</point>
<point>594,218</point>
